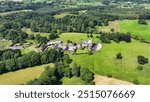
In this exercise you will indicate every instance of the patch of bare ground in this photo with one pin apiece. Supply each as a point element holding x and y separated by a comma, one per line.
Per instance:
<point>102,80</point>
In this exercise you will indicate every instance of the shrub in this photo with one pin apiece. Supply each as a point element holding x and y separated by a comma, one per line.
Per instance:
<point>109,75</point>
<point>119,56</point>
<point>90,52</point>
<point>142,60</point>
<point>139,67</point>
<point>142,21</point>
<point>135,81</point>
<point>112,30</point>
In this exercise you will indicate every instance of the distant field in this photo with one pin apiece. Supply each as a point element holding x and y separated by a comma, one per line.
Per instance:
<point>72,81</point>
<point>89,3</point>
<point>76,37</point>
<point>28,31</point>
<point>22,76</point>
<point>12,12</point>
<point>104,62</point>
<point>61,15</point>
<point>135,29</point>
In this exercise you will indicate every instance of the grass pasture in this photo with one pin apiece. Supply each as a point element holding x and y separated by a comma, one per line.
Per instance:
<point>103,62</point>
<point>135,29</point>
<point>22,76</point>
<point>76,37</point>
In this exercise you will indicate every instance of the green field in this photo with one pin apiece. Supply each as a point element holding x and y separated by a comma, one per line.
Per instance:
<point>72,81</point>
<point>76,37</point>
<point>135,29</point>
<point>22,76</point>
<point>62,15</point>
<point>104,62</point>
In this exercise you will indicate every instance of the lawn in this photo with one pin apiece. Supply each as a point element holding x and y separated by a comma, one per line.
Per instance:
<point>76,37</point>
<point>104,62</point>
<point>22,76</point>
<point>72,81</point>
<point>135,29</point>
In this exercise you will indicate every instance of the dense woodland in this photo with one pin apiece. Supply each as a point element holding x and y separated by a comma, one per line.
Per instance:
<point>84,23</point>
<point>13,62</point>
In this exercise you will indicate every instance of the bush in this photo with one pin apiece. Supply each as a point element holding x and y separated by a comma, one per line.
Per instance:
<point>119,56</point>
<point>142,21</point>
<point>139,67</point>
<point>90,52</point>
<point>135,81</point>
<point>87,76</point>
<point>142,60</point>
<point>109,75</point>
<point>112,30</point>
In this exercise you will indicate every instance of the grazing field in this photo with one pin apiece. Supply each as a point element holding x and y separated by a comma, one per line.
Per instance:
<point>76,37</point>
<point>72,81</point>
<point>12,12</point>
<point>113,24</point>
<point>104,62</point>
<point>22,76</point>
<point>135,29</point>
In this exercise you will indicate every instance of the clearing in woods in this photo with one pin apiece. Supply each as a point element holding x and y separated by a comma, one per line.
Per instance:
<point>112,24</point>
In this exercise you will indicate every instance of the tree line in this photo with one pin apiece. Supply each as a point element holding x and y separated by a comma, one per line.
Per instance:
<point>116,37</point>
<point>9,54</point>
<point>29,60</point>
